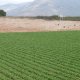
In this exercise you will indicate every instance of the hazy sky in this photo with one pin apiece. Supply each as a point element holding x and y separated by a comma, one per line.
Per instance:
<point>13,1</point>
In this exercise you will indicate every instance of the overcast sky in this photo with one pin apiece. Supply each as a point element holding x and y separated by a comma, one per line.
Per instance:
<point>13,1</point>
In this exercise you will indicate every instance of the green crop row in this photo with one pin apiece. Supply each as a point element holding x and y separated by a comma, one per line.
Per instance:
<point>40,56</point>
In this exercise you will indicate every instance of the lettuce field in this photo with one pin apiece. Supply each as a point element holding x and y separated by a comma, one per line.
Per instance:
<point>40,56</point>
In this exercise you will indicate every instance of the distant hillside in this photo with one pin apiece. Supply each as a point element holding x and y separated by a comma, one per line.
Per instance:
<point>44,8</point>
<point>8,7</point>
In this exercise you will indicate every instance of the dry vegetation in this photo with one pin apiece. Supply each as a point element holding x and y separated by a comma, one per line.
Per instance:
<point>9,24</point>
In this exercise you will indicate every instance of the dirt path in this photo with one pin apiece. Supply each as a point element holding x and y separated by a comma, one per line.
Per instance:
<point>34,25</point>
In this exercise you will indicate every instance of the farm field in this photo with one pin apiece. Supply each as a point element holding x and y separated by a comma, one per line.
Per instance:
<point>17,24</point>
<point>40,56</point>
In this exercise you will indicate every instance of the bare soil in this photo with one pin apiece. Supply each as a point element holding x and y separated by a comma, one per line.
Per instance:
<point>35,25</point>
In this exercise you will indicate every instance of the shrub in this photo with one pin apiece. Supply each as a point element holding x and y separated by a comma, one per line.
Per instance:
<point>2,13</point>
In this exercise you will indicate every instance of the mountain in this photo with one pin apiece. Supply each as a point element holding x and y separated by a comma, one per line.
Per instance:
<point>19,10</point>
<point>35,8</point>
<point>8,7</point>
<point>46,8</point>
<point>68,8</point>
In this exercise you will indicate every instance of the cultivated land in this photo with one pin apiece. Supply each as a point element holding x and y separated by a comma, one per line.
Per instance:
<point>10,24</point>
<point>40,56</point>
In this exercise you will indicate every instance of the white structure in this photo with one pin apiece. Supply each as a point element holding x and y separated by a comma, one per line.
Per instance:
<point>61,17</point>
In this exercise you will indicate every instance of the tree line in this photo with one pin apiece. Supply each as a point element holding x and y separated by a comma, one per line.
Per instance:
<point>53,17</point>
<point>56,17</point>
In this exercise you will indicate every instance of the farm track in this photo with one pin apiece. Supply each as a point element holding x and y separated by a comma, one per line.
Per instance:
<point>40,56</point>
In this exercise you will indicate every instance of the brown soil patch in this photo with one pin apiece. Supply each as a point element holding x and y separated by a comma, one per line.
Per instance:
<point>35,25</point>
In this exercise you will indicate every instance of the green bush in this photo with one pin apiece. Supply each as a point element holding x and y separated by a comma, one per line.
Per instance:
<point>2,13</point>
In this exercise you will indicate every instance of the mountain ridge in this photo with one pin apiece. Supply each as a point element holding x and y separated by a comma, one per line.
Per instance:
<point>46,8</point>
